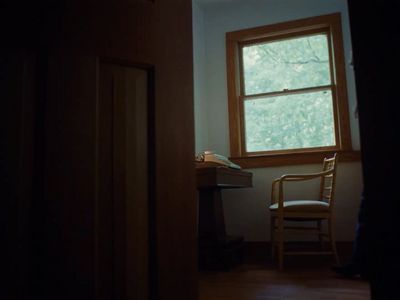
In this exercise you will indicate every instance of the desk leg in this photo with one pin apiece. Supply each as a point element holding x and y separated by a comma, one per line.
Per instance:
<point>217,251</point>
<point>211,215</point>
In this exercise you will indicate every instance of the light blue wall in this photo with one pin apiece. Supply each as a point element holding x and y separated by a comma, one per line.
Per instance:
<point>246,209</point>
<point>201,129</point>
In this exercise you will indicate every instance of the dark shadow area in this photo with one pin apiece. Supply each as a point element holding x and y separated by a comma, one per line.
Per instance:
<point>376,46</point>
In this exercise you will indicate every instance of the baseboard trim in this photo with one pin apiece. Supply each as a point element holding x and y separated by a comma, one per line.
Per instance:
<point>258,252</point>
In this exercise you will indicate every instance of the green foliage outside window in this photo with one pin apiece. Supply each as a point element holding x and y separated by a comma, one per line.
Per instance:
<point>289,122</point>
<point>303,119</point>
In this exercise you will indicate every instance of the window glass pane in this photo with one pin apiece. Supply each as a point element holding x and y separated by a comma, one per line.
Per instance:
<point>289,122</point>
<point>288,64</point>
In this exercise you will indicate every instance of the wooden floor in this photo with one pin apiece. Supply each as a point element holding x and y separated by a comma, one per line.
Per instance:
<point>304,278</point>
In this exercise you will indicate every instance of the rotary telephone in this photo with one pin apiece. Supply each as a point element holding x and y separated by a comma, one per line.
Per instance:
<point>210,156</point>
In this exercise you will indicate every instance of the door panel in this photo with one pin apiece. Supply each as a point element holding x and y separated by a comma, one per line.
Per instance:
<point>137,200</point>
<point>123,191</point>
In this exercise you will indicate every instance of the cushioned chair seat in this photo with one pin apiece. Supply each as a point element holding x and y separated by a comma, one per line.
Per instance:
<point>303,206</point>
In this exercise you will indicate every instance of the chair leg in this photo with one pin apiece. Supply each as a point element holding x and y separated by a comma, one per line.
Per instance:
<point>333,241</point>
<point>280,244</point>
<point>320,239</point>
<point>272,230</point>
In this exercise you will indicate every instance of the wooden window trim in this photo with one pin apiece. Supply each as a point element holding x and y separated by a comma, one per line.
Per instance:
<point>294,158</point>
<point>234,41</point>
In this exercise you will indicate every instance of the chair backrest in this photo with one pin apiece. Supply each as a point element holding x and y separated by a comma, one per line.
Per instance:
<point>327,187</point>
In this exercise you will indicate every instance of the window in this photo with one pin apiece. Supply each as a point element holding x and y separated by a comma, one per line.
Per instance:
<point>287,91</point>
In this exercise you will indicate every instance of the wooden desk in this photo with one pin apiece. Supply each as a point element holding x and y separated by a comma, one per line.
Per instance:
<point>216,249</point>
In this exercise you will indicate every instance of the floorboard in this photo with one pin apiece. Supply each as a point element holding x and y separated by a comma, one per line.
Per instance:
<point>304,278</point>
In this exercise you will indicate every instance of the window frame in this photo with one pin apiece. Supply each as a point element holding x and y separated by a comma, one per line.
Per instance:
<point>236,40</point>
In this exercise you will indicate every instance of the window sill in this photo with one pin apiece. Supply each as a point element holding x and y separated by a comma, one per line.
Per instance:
<point>273,160</point>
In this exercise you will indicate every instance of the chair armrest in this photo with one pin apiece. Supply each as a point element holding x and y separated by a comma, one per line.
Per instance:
<point>302,177</point>
<point>277,184</point>
<point>279,197</point>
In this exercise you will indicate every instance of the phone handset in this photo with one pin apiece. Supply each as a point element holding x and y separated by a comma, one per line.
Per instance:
<point>210,156</point>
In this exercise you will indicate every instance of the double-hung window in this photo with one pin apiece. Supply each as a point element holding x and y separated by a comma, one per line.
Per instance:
<point>287,90</point>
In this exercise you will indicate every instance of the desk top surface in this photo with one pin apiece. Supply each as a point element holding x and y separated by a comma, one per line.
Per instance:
<point>217,176</point>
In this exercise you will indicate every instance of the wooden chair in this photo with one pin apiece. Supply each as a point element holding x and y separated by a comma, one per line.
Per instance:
<point>318,210</point>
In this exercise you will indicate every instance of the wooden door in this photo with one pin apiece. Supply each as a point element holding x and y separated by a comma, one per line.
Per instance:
<point>119,188</point>
<point>17,170</point>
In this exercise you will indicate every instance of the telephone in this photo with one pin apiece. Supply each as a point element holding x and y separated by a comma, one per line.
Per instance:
<point>209,156</point>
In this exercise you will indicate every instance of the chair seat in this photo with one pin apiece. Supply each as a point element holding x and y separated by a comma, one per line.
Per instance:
<point>302,206</point>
